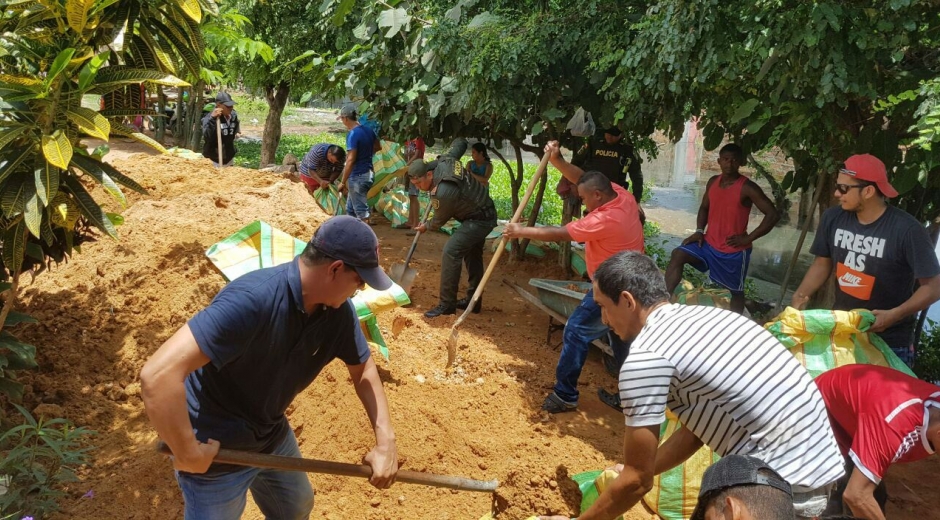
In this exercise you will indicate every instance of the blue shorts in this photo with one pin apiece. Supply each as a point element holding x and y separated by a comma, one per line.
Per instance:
<point>726,269</point>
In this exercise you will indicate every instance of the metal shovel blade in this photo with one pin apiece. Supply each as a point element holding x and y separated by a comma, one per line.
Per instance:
<point>403,276</point>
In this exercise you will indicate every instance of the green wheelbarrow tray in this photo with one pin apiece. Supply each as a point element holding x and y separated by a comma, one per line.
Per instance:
<point>561,296</point>
<point>558,299</point>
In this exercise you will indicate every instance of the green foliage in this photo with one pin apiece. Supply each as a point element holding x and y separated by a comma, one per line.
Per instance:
<point>14,355</point>
<point>927,361</point>
<point>501,192</point>
<point>38,457</point>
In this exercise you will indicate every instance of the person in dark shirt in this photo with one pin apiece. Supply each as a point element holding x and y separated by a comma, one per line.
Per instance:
<point>456,194</point>
<point>878,252</point>
<point>224,113</point>
<point>613,156</point>
<point>226,378</point>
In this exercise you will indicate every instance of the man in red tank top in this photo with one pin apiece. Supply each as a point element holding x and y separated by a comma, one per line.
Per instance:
<point>721,244</point>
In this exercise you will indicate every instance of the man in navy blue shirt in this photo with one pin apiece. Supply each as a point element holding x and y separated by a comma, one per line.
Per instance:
<point>227,377</point>
<point>361,145</point>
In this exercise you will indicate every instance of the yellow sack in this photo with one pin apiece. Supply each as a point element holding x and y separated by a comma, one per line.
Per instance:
<point>675,492</point>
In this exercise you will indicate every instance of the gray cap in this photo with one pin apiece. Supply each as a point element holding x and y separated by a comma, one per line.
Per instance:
<point>734,471</point>
<point>225,99</point>
<point>349,112</point>
<point>418,168</point>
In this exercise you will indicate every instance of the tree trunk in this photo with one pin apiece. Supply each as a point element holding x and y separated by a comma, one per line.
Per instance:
<point>159,119</point>
<point>194,117</point>
<point>534,214</point>
<point>276,96</point>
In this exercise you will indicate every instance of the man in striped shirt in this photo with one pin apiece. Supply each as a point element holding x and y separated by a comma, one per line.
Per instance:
<point>733,386</point>
<point>322,165</point>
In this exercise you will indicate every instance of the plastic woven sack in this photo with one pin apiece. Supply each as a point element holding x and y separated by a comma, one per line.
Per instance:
<point>823,339</point>
<point>253,247</point>
<point>388,165</point>
<point>581,124</point>
<point>592,484</point>
<point>395,204</point>
<point>675,492</point>
<point>330,200</point>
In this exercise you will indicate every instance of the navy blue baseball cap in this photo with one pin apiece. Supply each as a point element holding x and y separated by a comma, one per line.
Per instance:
<point>351,240</point>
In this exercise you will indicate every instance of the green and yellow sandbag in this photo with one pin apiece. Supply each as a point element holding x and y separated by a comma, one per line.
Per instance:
<point>388,164</point>
<point>823,339</point>
<point>330,200</point>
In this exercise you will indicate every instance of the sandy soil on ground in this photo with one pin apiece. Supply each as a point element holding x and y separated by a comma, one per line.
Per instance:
<point>102,314</point>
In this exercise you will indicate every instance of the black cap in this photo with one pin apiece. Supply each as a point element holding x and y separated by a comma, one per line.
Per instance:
<point>224,99</point>
<point>351,240</point>
<point>733,471</point>
<point>614,131</point>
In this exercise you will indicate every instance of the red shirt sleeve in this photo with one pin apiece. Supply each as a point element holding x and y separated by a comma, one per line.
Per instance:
<point>874,446</point>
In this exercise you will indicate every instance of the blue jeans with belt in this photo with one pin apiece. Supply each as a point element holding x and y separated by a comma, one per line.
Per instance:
<point>357,199</point>
<point>285,495</point>
<point>584,326</point>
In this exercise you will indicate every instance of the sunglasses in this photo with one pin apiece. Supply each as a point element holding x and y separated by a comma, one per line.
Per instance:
<point>844,188</point>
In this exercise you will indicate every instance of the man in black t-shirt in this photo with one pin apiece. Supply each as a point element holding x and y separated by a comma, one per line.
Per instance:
<point>878,252</point>
<point>615,158</point>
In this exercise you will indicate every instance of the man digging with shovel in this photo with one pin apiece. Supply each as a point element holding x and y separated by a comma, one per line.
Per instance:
<point>454,194</point>
<point>227,377</point>
<point>612,225</point>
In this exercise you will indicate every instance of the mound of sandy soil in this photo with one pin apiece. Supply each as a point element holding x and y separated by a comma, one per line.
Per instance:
<point>105,312</point>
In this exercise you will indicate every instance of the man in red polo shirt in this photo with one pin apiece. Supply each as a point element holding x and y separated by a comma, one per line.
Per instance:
<point>879,416</point>
<point>611,226</point>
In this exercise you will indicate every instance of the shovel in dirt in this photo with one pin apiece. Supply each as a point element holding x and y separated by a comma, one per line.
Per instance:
<point>401,273</point>
<point>262,460</point>
<point>452,340</point>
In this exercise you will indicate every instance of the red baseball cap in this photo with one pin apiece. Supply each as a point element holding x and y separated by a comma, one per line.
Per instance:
<point>867,167</point>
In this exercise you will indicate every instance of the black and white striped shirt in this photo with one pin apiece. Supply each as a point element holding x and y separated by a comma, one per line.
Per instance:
<point>735,387</point>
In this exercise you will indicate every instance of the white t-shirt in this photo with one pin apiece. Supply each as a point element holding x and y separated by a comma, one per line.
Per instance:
<point>735,387</point>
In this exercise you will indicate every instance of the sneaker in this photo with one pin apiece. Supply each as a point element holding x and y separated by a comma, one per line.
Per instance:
<point>440,310</point>
<point>463,302</point>
<point>554,404</point>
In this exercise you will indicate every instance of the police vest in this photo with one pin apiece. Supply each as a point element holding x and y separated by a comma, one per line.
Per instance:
<point>473,199</point>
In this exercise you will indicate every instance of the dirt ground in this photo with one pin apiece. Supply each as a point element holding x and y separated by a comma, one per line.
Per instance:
<point>105,312</point>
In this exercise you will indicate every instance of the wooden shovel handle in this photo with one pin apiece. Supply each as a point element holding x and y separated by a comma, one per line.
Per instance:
<point>218,135</point>
<point>262,460</point>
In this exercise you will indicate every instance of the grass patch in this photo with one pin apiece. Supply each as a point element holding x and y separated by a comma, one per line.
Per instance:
<point>249,108</point>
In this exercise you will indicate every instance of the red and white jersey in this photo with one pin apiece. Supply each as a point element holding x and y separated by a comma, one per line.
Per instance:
<point>879,415</point>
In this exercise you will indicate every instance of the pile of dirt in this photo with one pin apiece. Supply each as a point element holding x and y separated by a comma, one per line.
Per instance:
<point>105,312</point>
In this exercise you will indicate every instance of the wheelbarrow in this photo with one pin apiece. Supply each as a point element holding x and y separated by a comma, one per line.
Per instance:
<point>558,299</point>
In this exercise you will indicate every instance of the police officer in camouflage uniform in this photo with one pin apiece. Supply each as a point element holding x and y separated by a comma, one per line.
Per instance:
<point>615,158</point>
<point>455,194</point>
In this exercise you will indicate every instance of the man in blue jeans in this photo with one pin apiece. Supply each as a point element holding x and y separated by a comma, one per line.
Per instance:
<point>226,378</point>
<point>612,225</point>
<point>361,145</point>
